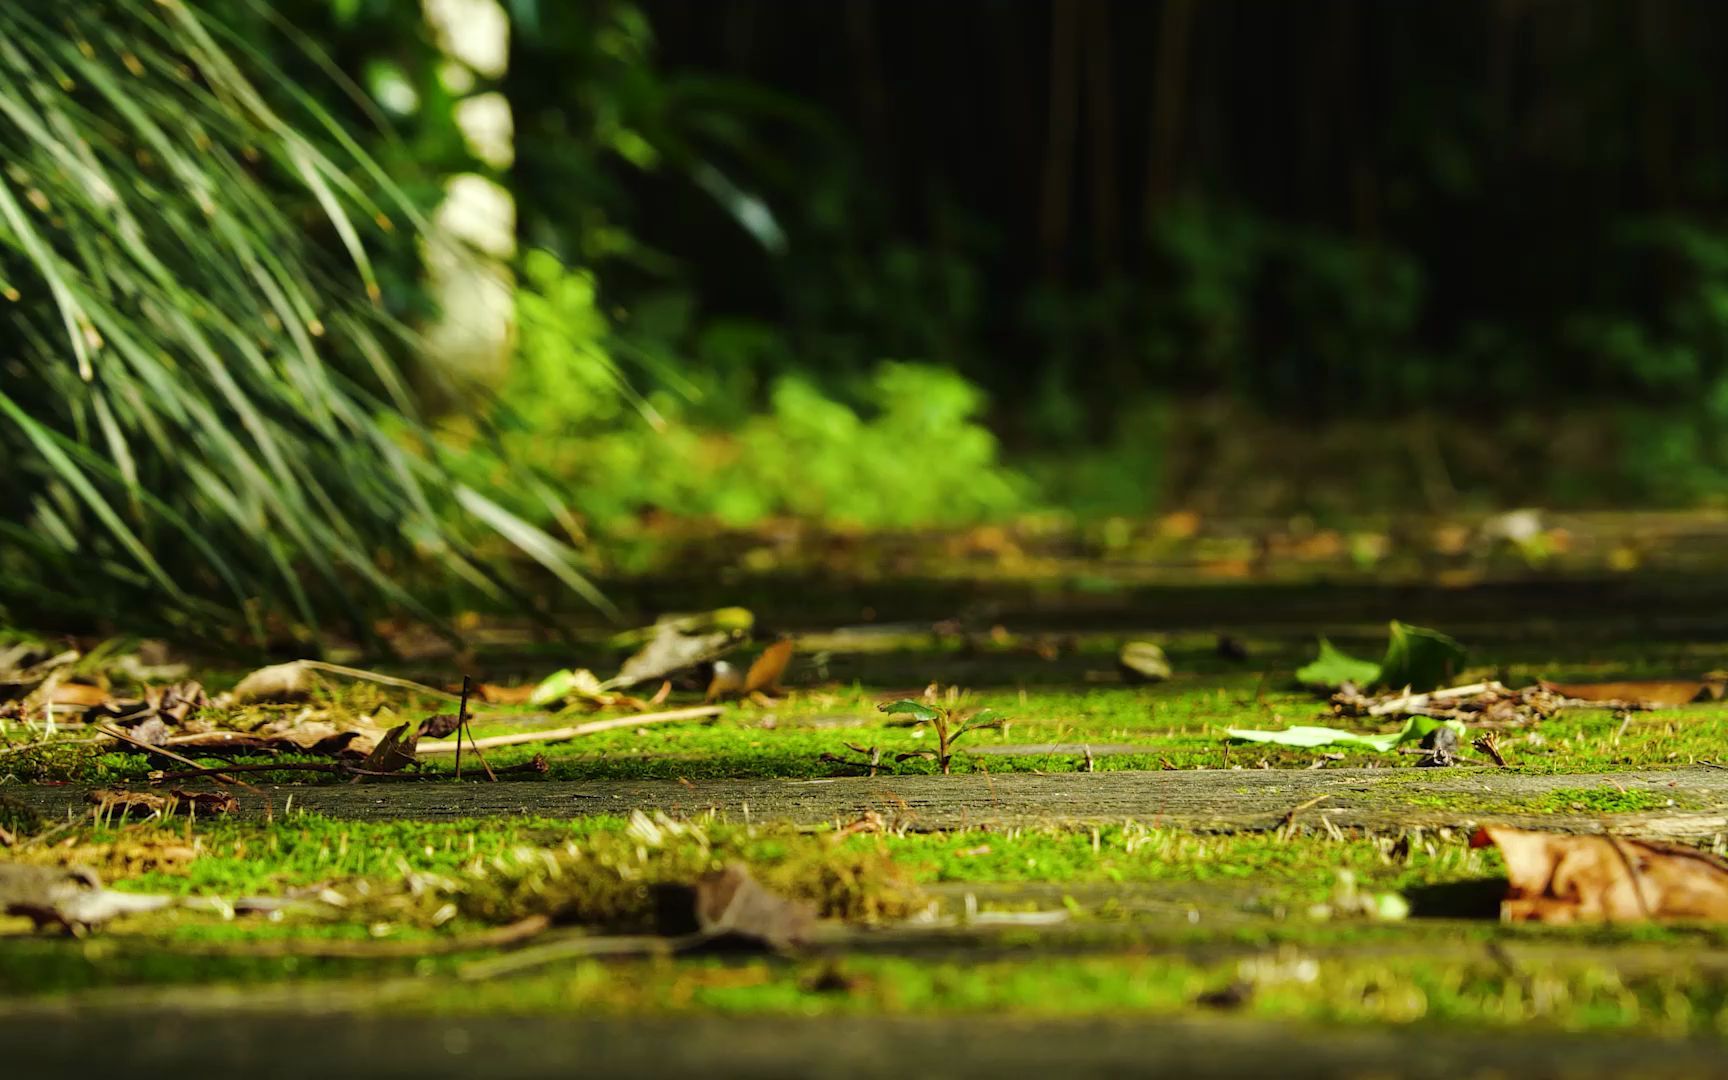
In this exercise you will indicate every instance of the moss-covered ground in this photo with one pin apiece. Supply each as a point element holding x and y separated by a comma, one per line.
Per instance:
<point>1156,921</point>
<point>1148,919</point>
<point>1059,692</point>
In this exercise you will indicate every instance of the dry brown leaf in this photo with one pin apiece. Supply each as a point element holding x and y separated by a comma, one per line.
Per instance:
<point>1649,693</point>
<point>727,681</point>
<point>394,752</point>
<point>179,702</point>
<point>504,695</point>
<point>316,738</point>
<point>1559,878</point>
<point>77,695</point>
<point>671,650</point>
<point>730,904</point>
<point>765,673</point>
<point>25,666</point>
<point>288,682</point>
<point>441,726</point>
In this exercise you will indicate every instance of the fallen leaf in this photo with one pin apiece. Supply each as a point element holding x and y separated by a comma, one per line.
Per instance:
<point>276,684</point>
<point>77,695</point>
<point>1333,669</point>
<point>441,726</point>
<point>295,681</point>
<point>394,752</point>
<point>1416,659</point>
<point>44,893</point>
<point>180,702</point>
<point>26,665</point>
<point>149,663</point>
<point>1647,693</point>
<point>764,675</point>
<point>1304,737</point>
<point>287,737</point>
<point>729,906</point>
<point>73,897</point>
<point>1143,661</point>
<point>672,650</point>
<point>505,695</point>
<point>1419,658</point>
<point>1559,878</point>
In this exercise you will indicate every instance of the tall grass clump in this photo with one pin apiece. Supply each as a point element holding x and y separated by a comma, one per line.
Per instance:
<point>201,415</point>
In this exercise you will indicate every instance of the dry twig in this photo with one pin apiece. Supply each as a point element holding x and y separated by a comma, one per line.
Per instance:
<point>565,734</point>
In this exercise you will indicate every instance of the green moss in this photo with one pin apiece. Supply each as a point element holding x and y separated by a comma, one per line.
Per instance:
<point>1159,916</point>
<point>1179,724</point>
<point>1285,984</point>
<point>1615,991</point>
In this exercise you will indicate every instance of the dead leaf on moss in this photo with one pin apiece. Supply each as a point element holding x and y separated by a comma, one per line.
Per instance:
<point>730,904</point>
<point>26,665</point>
<point>441,726</point>
<point>505,695</point>
<point>1558,878</point>
<point>73,898</point>
<point>672,650</point>
<point>179,702</point>
<point>764,675</point>
<point>77,696</point>
<point>1641,693</point>
<point>317,738</point>
<point>394,752</point>
<point>276,684</point>
<point>1143,661</point>
<point>297,679</point>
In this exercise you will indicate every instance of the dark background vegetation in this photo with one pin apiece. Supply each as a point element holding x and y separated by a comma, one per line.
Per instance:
<point>870,263</point>
<point>1505,214</point>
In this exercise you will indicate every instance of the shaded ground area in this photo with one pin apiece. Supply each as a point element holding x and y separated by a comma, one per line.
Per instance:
<point>174,1044</point>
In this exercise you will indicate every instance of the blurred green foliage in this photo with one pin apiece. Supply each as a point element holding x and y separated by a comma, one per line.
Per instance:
<point>1312,261</point>
<point>903,448</point>
<point>1462,300</point>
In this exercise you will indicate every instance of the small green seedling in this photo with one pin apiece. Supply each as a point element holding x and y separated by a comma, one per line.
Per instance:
<point>949,723</point>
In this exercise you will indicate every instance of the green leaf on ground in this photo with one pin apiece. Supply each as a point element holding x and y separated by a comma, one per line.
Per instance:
<point>1416,729</point>
<point>1416,657</point>
<point>564,685</point>
<point>1333,669</point>
<point>1419,659</point>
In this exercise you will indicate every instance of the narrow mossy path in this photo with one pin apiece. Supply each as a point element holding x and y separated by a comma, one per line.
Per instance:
<point>1107,855</point>
<point>1679,803</point>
